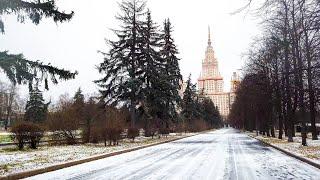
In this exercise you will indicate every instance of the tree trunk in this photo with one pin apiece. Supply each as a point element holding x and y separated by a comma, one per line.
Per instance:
<point>287,78</point>
<point>310,89</point>
<point>133,114</point>
<point>300,80</point>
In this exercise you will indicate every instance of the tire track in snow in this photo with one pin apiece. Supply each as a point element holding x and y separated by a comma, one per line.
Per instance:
<point>149,170</point>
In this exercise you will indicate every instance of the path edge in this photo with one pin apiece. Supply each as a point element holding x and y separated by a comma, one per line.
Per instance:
<point>303,159</point>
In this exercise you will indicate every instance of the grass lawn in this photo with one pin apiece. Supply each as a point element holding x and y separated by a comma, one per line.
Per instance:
<point>5,138</point>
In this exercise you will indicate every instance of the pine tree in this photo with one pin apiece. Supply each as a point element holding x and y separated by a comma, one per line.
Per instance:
<point>124,79</point>
<point>36,109</point>
<point>170,71</point>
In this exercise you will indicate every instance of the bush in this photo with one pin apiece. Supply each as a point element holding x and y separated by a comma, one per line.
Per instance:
<point>180,127</point>
<point>63,122</point>
<point>164,131</point>
<point>198,125</point>
<point>150,132</point>
<point>113,135</point>
<point>36,133</point>
<point>150,127</point>
<point>27,132</point>
<point>95,135</point>
<point>133,133</point>
<point>111,125</point>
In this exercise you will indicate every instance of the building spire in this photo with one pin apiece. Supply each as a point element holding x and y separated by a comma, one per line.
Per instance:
<point>209,38</point>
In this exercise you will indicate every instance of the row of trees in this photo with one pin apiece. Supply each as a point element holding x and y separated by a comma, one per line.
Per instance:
<point>72,120</point>
<point>281,84</point>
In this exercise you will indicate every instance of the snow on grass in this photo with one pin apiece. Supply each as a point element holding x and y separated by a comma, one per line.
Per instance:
<point>311,152</point>
<point>13,161</point>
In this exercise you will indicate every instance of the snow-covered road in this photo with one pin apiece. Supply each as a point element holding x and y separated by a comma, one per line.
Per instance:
<point>221,154</point>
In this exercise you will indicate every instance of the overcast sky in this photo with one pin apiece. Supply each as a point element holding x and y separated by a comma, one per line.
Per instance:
<point>73,45</point>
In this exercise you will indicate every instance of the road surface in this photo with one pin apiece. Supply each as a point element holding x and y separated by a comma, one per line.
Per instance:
<point>222,154</point>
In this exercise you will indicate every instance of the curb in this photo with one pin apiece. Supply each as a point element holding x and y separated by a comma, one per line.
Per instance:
<point>303,159</point>
<point>34,172</point>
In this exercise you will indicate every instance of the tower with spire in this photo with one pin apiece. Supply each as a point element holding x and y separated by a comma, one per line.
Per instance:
<point>210,82</point>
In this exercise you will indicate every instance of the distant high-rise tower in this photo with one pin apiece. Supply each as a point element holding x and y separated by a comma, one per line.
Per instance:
<point>210,82</point>
<point>235,81</point>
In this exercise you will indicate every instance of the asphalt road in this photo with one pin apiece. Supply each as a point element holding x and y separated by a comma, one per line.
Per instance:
<point>222,154</point>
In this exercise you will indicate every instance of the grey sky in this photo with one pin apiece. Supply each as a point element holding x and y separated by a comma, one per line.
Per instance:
<point>73,45</point>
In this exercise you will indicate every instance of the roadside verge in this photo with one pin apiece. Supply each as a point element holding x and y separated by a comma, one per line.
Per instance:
<point>33,172</point>
<point>303,159</point>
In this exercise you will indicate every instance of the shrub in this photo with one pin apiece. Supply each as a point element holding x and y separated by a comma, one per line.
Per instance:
<point>63,122</point>
<point>198,125</point>
<point>113,134</point>
<point>133,133</point>
<point>27,132</point>
<point>20,134</point>
<point>36,133</point>
<point>150,132</point>
<point>180,127</point>
<point>149,126</point>
<point>95,135</point>
<point>111,125</point>
<point>164,131</point>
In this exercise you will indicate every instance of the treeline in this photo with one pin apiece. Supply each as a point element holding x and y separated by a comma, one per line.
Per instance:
<point>280,88</point>
<point>90,120</point>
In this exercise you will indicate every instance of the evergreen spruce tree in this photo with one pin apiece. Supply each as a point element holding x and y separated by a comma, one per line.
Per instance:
<point>36,109</point>
<point>18,69</point>
<point>124,76</point>
<point>78,98</point>
<point>188,104</point>
<point>154,97</point>
<point>210,113</point>
<point>79,105</point>
<point>170,72</point>
<point>34,10</point>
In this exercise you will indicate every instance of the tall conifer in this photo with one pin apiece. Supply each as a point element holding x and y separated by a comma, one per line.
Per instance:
<point>36,109</point>
<point>171,70</point>
<point>123,80</point>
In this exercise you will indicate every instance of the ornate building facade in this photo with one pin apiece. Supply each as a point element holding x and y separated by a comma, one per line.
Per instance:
<point>211,84</point>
